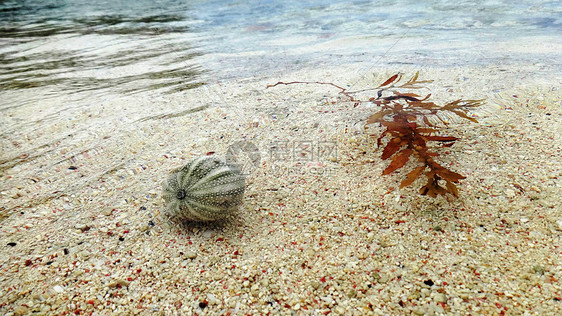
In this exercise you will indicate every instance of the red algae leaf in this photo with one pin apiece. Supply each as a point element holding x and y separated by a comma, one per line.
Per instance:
<point>463,115</point>
<point>377,116</point>
<point>389,81</point>
<point>391,148</point>
<point>441,138</point>
<point>412,176</point>
<point>426,121</point>
<point>440,190</point>
<point>379,140</point>
<point>413,81</point>
<point>398,127</point>
<point>426,130</point>
<point>398,161</point>
<point>414,78</point>
<point>446,173</point>
<point>452,189</point>
<point>428,189</point>
<point>432,188</point>
<point>428,105</point>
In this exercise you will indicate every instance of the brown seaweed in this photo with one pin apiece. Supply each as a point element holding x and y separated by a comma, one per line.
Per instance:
<point>408,122</point>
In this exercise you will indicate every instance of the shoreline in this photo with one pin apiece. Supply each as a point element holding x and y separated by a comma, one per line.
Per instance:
<point>83,226</point>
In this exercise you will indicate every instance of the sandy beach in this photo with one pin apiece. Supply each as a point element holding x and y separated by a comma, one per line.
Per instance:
<point>83,229</point>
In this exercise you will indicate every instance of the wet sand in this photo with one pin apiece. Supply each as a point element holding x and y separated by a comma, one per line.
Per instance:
<point>83,228</point>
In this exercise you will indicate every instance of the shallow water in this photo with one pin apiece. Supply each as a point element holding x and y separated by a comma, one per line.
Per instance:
<point>73,46</point>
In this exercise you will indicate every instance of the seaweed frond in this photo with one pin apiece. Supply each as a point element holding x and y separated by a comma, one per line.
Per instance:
<point>409,125</point>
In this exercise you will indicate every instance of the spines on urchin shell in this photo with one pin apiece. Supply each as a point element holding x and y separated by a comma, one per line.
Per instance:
<point>205,189</point>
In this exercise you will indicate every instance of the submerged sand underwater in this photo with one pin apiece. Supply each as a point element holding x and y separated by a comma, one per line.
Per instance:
<point>82,225</point>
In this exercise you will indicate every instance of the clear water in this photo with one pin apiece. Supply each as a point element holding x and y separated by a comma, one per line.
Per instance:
<point>49,48</point>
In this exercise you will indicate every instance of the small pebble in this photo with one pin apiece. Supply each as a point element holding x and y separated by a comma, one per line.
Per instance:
<point>116,282</point>
<point>315,284</point>
<point>21,310</point>
<point>82,227</point>
<point>510,193</point>
<point>84,254</point>
<point>440,298</point>
<point>538,269</point>
<point>328,300</point>
<point>339,310</point>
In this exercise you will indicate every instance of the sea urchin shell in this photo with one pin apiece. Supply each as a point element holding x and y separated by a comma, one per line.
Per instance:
<point>205,189</point>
